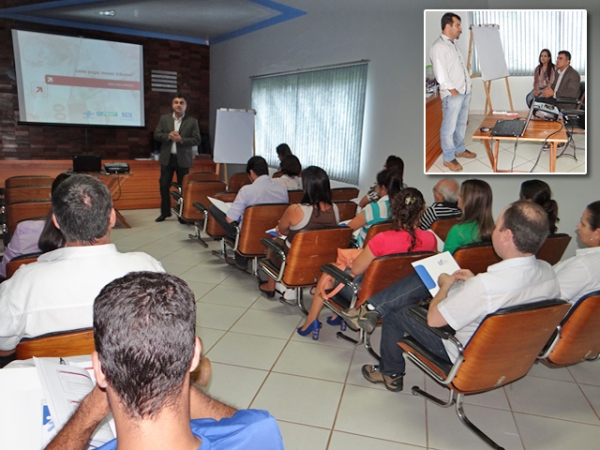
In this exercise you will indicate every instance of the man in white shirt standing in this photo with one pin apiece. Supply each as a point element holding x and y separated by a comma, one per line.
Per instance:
<point>455,91</point>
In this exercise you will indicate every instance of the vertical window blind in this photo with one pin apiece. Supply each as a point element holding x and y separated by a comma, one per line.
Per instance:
<point>525,33</point>
<point>318,113</point>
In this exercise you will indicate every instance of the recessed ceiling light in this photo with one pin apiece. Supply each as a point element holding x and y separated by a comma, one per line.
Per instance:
<point>108,12</point>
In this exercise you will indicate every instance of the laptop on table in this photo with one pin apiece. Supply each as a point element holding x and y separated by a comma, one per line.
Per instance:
<point>512,128</point>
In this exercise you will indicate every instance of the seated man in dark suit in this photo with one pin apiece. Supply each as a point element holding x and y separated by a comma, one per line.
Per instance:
<point>146,347</point>
<point>566,82</point>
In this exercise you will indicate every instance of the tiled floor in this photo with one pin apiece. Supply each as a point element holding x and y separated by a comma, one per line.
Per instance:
<point>315,389</point>
<point>523,160</point>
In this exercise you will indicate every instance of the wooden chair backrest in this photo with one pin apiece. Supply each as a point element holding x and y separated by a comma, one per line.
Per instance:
<point>198,191</point>
<point>69,343</point>
<point>476,257</point>
<point>295,195</point>
<point>385,271</point>
<point>553,248</point>
<point>278,174</point>
<point>580,333</point>
<point>345,193</point>
<point>213,229</point>
<point>27,193</point>
<point>310,250</point>
<point>257,220</point>
<point>13,265</point>
<point>27,180</point>
<point>237,180</point>
<point>200,176</point>
<point>506,344</point>
<point>17,212</point>
<point>441,227</point>
<point>376,228</point>
<point>347,209</point>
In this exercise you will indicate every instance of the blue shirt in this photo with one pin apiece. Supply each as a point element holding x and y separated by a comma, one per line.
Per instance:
<point>248,429</point>
<point>262,190</point>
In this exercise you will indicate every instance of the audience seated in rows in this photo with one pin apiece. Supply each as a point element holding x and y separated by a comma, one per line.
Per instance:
<point>262,190</point>
<point>57,292</point>
<point>153,316</point>
<point>405,236</point>
<point>444,206</point>
<point>464,299</point>
<point>537,191</point>
<point>392,162</point>
<point>477,223</point>
<point>316,210</point>
<point>291,169</point>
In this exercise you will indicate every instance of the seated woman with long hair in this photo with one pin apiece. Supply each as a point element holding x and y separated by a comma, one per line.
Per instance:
<point>539,192</point>
<point>291,169</point>
<point>389,183</point>
<point>405,236</point>
<point>543,76</point>
<point>391,163</point>
<point>315,211</point>
<point>476,223</point>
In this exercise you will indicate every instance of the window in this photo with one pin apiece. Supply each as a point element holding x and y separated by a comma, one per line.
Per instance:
<point>318,113</point>
<point>525,33</point>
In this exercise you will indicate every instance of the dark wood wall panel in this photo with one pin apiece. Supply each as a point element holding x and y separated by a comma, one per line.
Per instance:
<point>191,61</point>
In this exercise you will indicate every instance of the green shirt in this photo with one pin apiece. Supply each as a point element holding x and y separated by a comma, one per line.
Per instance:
<point>461,234</point>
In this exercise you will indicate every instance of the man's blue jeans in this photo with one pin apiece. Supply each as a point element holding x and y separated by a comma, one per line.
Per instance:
<point>392,303</point>
<point>455,111</point>
<point>395,324</point>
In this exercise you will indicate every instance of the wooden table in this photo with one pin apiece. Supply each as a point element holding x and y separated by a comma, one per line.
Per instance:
<point>553,133</point>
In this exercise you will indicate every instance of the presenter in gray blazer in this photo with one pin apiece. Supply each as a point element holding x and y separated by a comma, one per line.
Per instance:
<point>178,133</point>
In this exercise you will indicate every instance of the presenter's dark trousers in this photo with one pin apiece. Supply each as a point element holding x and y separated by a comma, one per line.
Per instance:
<point>166,176</point>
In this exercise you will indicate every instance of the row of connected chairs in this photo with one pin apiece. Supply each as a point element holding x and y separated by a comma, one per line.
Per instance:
<point>505,346</point>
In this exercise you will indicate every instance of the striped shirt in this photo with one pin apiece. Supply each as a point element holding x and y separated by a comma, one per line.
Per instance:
<point>438,211</point>
<point>374,212</point>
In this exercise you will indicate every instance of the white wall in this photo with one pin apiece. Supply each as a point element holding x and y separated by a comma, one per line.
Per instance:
<point>390,34</point>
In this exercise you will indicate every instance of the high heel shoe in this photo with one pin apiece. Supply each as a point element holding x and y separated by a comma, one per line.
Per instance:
<point>337,321</point>
<point>268,294</point>
<point>313,328</point>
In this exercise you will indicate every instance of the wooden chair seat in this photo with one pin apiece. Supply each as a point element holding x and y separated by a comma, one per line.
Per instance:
<point>14,264</point>
<point>237,180</point>
<point>195,191</point>
<point>345,193</point>
<point>502,350</point>
<point>61,344</point>
<point>27,180</point>
<point>302,265</point>
<point>381,274</point>
<point>441,227</point>
<point>476,257</point>
<point>17,212</point>
<point>553,248</point>
<point>578,337</point>
<point>376,228</point>
<point>27,193</point>
<point>347,209</point>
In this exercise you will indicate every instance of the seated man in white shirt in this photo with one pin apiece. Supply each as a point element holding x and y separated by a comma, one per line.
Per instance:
<point>262,190</point>
<point>464,299</point>
<point>146,347</point>
<point>57,292</point>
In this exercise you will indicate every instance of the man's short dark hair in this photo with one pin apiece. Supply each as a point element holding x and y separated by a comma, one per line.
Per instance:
<point>447,19</point>
<point>529,225</point>
<point>566,53</point>
<point>258,165</point>
<point>144,332</point>
<point>82,206</point>
<point>180,95</point>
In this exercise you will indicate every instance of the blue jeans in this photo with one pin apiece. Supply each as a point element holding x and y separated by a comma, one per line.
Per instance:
<point>455,110</point>
<point>395,324</point>
<point>407,291</point>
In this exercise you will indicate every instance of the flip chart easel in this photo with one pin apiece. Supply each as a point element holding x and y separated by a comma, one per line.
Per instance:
<point>486,41</point>
<point>234,138</point>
